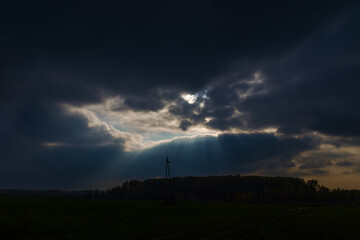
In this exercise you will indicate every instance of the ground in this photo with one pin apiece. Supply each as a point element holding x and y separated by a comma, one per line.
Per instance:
<point>66,218</point>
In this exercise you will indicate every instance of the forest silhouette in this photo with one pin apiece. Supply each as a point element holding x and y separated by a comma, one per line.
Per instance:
<point>262,189</point>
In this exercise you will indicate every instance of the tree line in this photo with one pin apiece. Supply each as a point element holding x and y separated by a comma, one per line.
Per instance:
<point>238,188</point>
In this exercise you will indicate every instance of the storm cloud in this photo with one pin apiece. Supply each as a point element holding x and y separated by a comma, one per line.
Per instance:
<point>222,88</point>
<point>225,154</point>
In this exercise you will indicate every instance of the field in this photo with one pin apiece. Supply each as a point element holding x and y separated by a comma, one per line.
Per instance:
<point>65,218</point>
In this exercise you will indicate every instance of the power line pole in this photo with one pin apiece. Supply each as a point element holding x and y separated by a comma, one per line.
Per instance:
<point>169,195</point>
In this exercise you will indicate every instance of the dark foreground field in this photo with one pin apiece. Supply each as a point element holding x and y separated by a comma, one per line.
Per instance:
<point>55,218</point>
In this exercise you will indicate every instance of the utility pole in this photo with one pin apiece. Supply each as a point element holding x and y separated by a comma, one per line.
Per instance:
<point>169,195</point>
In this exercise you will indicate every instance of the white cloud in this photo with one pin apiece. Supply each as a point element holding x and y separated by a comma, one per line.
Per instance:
<point>137,130</point>
<point>190,98</point>
<point>129,140</point>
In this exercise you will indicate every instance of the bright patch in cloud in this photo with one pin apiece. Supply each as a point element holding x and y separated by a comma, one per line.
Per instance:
<point>204,96</point>
<point>129,140</point>
<point>189,97</point>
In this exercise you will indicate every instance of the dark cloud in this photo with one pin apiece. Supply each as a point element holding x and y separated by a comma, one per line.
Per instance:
<point>321,159</point>
<point>307,173</point>
<point>39,123</point>
<point>35,84</point>
<point>313,86</point>
<point>153,100</point>
<point>306,55</point>
<point>315,163</point>
<point>185,124</point>
<point>226,154</point>
<point>184,109</point>
<point>344,163</point>
<point>139,104</point>
<point>225,123</point>
<point>84,166</point>
<point>58,167</point>
<point>138,46</point>
<point>45,146</point>
<point>318,172</point>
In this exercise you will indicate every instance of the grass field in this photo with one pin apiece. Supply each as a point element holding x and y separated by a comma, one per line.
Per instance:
<point>55,218</point>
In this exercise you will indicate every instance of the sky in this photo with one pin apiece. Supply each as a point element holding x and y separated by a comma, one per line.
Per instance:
<point>93,93</point>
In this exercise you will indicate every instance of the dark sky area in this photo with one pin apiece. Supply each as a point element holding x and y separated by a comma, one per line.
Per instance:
<point>93,93</point>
